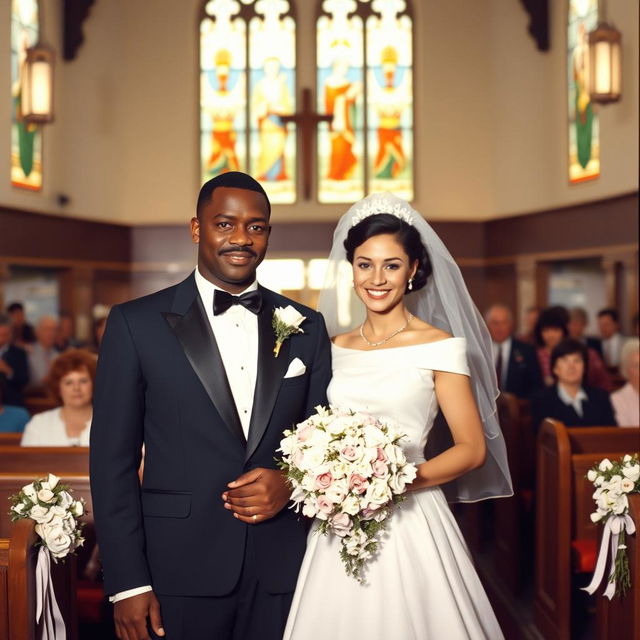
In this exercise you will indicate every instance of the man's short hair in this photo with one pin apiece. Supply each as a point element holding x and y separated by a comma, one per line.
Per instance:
<point>233,179</point>
<point>15,306</point>
<point>609,311</point>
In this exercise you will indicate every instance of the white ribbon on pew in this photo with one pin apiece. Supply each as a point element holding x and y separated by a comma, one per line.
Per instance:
<point>612,529</point>
<point>46,604</point>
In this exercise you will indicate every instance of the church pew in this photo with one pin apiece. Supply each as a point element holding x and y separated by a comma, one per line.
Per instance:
<point>11,439</point>
<point>43,460</point>
<point>622,615</point>
<point>18,555</point>
<point>563,505</point>
<point>513,518</point>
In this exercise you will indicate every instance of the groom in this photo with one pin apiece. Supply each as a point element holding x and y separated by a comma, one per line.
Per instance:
<point>205,547</point>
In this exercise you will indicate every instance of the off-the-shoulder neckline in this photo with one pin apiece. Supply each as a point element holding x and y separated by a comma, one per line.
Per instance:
<point>406,346</point>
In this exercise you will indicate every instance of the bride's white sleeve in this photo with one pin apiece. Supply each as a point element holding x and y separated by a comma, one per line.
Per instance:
<point>448,355</point>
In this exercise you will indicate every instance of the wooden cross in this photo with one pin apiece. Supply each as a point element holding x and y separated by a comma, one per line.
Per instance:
<point>307,121</point>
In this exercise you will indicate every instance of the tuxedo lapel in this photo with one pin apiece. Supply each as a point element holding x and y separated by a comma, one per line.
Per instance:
<point>271,371</point>
<point>198,342</point>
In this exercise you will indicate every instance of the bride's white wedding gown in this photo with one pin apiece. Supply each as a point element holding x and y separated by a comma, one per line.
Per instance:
<point>422,584</point>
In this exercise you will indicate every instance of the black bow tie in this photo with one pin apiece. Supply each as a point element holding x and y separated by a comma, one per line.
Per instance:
<point>252,301</point>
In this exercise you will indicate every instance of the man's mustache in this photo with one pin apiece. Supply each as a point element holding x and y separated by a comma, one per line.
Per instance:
<point>249,252</point>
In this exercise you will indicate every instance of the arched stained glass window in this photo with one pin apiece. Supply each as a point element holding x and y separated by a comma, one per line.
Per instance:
<point>364,79</point>
<point>247,83</point>
<point>26,139</point>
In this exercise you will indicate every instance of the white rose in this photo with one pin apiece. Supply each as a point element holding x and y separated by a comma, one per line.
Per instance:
<point>30,491</point>
<point>632,472</point>
<point>289,316</point>
<point>77,508</point>
<point>627,485</point>
<point>627,458</point>
<point>64,499</point>
<point>605,465</point>
<point>351,505</point>
<point>310,507</point>
<point>337,491</point>
<point>373,436</point>
<point>287,444</point>
<point>69,523</point>
<point>308,482</point>
<point>46,495</point>
<point>621,505</point>
<point>311,458</point>
<point>397,483</point>
<point>596,516</point>
<point>591,475</point>
<point>18,508</point>
<point>59,544</point>
<point>599,481</point>
<point>340,469</point>
<point>409,473</point>
<point>40,514</point>
<point>378,492</point>
<point>395,454</point>
<point>319,438</point>
<point>615,484</point>
<point>53,481</point>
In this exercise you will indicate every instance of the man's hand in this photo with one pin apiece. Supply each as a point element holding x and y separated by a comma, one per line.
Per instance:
<point>260,492</point>
<point>130,617</point>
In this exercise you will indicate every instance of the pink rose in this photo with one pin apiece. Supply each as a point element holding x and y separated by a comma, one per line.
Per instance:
<point>349,453</point>
<point>341,524</point>
<point>325,505</point>
<point>380,469</point>
<point>324,480</point>
<point>367,513</point>
<point>304,432</point>
<point>382,456</point>
<point>357,483</point>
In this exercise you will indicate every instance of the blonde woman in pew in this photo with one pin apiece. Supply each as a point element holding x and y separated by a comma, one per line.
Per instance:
<point>626,401</point>
<point>71,381</point>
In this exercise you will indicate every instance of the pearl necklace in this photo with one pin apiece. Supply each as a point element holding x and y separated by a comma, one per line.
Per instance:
<point>395,333</point>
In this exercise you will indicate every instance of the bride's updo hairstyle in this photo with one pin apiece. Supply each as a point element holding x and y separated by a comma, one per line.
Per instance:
<point>406,235</point>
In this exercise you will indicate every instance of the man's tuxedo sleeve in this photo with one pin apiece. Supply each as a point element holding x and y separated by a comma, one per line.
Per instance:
<point>321,369</point>
<point>116,451</point>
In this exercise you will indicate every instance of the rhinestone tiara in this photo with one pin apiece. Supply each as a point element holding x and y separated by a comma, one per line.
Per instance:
<point>382,203</point>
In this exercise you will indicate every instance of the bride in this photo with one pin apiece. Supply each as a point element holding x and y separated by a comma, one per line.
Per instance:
<point>420,346</point>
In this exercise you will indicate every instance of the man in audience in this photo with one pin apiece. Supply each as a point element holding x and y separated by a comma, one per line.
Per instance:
<point>12,419</point>
<point>568,400</point>
<point>530,319</point>
<point>578,321</point>
<point>612,339</point>
<point>65,339</point>
<point>516,363</point>
<point>23,333</point>
<point>43,352</point>
<point>14,370</point>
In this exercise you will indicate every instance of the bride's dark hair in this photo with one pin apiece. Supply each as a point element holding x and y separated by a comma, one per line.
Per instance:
<point>406,235</point>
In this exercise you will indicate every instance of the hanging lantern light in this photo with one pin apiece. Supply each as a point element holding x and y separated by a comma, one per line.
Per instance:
<point>37,85</point>
<point>605,62</point>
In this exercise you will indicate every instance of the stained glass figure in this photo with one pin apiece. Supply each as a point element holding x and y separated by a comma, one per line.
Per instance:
<point>584,126</point>
<point>26,139</point>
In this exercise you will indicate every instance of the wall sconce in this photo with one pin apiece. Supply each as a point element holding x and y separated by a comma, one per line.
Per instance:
<point>37,88</point>
<point>605,63</point>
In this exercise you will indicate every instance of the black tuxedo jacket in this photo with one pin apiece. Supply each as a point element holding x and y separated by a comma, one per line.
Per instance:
<point>161,382</point>
<point>16,358</point>
<point>596,411</point>
<point>523,373</point>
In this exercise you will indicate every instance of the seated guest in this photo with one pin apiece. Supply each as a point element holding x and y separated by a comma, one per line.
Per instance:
<point>12,419</point>
<point>65,338</point>
<point>530,319</point>
<point>551,329</point>
<point>567,399</point>
<point>14,370</point>
<point>71,381</point>
<point>612,339</point>
<point>578,321</point>
<point>43,351</point>
<point>99,325</point>
<point>516,363</point>
<point>626,401</point>
<point>23,333</point>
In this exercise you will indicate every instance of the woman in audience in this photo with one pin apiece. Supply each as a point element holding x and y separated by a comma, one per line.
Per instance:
<point>551,329</point>
<point>568,400</point>
<point>71,380</point>
<point>626,401</point>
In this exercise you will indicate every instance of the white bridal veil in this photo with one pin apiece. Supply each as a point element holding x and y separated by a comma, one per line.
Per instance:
<point>445,303</point>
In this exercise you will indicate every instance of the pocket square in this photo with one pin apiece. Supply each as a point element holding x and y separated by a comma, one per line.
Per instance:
<point>296,368</point>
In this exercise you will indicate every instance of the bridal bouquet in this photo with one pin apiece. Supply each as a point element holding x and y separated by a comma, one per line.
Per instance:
<point>614,481</point>
<point>348,470</point>
<point>55,511</point>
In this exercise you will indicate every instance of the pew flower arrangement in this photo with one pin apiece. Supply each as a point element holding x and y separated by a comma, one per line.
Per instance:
<point>56,513</point>
<point>347,470</point>
<point>614,481</point>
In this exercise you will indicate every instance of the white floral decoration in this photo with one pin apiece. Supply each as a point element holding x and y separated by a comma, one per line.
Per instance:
<point>382,203</point>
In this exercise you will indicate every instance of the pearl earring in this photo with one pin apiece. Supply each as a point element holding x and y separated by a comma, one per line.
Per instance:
<point>410,285</point>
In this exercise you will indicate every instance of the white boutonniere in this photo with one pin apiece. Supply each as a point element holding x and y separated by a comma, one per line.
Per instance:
<point>286,321</point>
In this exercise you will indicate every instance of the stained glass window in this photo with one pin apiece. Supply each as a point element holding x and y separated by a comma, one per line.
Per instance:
<point>26,139</point>
<point>247,83</point>
<point>364,80</point>
<point>583,122</point>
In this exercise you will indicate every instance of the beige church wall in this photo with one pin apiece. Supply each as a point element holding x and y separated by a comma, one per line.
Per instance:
<point>490,130</point>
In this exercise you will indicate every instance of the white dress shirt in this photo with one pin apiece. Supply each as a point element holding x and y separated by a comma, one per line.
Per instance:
<point>576,402</point>
<point>236,333</point>
<point>612,348</point>
<point>503,348</point>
